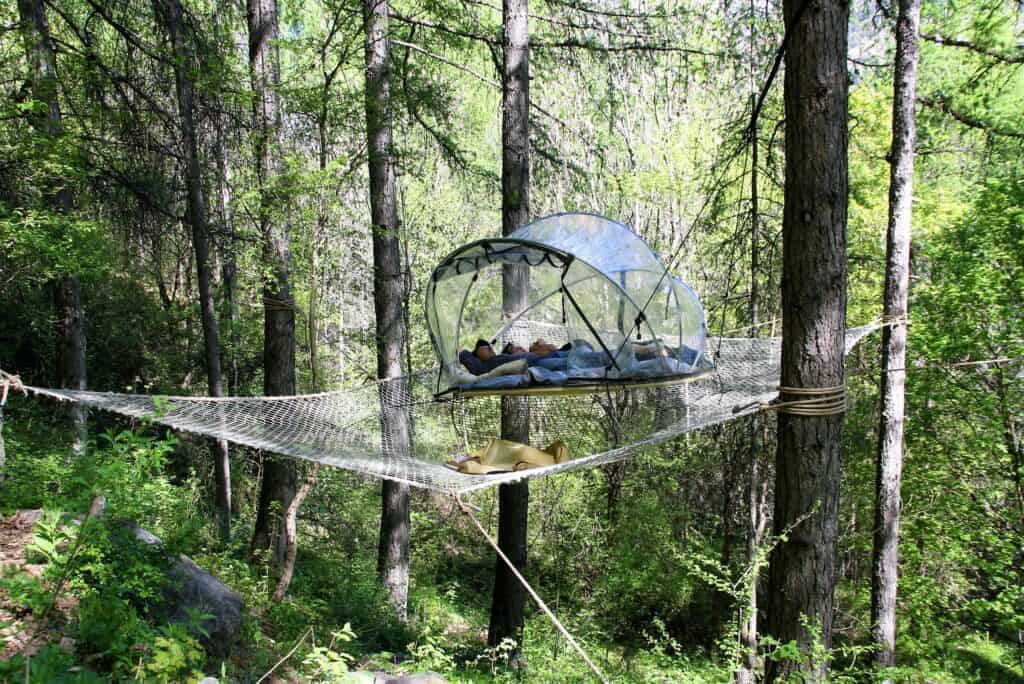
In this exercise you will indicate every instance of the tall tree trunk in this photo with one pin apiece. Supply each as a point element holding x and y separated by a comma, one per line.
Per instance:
<point>67,300</point>
<point>319,229</point>
<point>277,487</point>
<point>393,547</point>
<point>170,13</point>
<point>70,332</point>
<point>894,338</point>
<point>229,281</point>
<point>745,669</point>
<point>509,598</point>
<point>802,568</point>
<point>229,264</point>
<point>722,601</point>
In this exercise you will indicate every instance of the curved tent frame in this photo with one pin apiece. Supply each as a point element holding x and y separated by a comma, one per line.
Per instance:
<point>607,276</point>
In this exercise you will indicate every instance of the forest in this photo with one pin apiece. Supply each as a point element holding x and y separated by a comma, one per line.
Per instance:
<point>248,205</point>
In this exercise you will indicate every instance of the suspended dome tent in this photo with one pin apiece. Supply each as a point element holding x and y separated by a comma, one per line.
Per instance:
<point>596,291</point>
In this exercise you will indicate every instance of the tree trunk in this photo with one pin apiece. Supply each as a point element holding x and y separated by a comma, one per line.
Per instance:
<point>277,487</point>
<point>509,598</point>
<point>722,601</point>
<point>319,229</point>
<point>756,495</point>
<point>229,265</point>
<point>291,533</point>
<point>894,338</point>
<point>70,332</point>
<point>802,568</point>
<point>744,673</point>
<point>170,12</point>
<point>67,299</point>
<point>393,547</point>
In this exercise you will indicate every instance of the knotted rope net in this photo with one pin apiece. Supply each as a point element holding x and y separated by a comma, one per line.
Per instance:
<point>356,429</point>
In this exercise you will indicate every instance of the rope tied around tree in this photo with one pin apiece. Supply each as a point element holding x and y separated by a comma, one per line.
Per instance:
<point>274,304</point>
<point>7,383</point>
<point>812,401</point>
<point>890,320</point>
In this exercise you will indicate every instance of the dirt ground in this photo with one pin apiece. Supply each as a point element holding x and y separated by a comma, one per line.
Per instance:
<point>22,634</point>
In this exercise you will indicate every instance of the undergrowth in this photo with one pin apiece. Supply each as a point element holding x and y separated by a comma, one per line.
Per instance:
<point>638,605</point>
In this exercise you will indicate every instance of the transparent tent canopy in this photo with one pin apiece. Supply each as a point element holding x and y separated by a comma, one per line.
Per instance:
<point>595,288</point>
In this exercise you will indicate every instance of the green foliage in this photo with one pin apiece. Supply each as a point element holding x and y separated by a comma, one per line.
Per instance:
<point>111,635</point>
<point>325,663</point>
<point>51,664</point>
<point>22,589</point>
<point>114,579</point>
<point>651,137</point>
<point>176,655</point>
<point>429,652</point>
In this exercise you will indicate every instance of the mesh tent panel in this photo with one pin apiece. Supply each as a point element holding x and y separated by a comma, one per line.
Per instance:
<point>594,277</point>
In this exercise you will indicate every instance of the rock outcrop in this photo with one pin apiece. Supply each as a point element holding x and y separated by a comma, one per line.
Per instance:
<point>191,590</point>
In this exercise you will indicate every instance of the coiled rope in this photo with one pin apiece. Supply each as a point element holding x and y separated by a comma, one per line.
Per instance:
<point>813,401</point>
<point>275,304</point>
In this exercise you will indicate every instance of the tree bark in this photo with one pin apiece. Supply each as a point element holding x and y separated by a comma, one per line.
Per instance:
<point>170,13</point>
<point>802,568</point>
<point>755,493</point>
<point>722,601</point>
<point>889,471</point>
<point>292,534</point>
<point>508,601</point>
<point>71,374</point>
<point>277,487</point>
<point>70,331</point>
<point>319,229</point>
<point>388,295</point>
<point>229,263</point>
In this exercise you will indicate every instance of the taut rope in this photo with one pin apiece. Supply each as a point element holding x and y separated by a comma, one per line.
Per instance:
<point>526,585</point>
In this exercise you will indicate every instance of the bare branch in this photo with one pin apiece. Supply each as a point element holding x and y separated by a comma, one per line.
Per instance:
<point>444,29</point>
<point>1016,57</point>
<point>630,47</point>
<point>943,105</point>
<point>444,60</point>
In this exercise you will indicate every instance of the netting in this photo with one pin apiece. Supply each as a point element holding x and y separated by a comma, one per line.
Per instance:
<point>348,429</point>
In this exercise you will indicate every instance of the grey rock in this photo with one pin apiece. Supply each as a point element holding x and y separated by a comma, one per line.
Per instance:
<point>142,534</point>
<point>208,680</point>
<point>192,590</point>
<point>98,507</point>
<point>364,677</point>
<point>420,678</point>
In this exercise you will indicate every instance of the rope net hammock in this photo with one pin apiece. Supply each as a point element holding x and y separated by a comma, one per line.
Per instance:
<point>344,428</point>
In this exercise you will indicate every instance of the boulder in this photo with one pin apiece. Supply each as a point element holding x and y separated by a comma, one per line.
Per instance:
<point>367,677</point>
<point>190,589</point>
<point>421,678</point>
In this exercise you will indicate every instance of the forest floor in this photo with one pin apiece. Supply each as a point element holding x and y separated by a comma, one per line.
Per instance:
<point>335,618</point>
<point>23,633</point>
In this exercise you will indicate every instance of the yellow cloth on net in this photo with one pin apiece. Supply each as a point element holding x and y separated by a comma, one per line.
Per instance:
<point>504,456</point>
